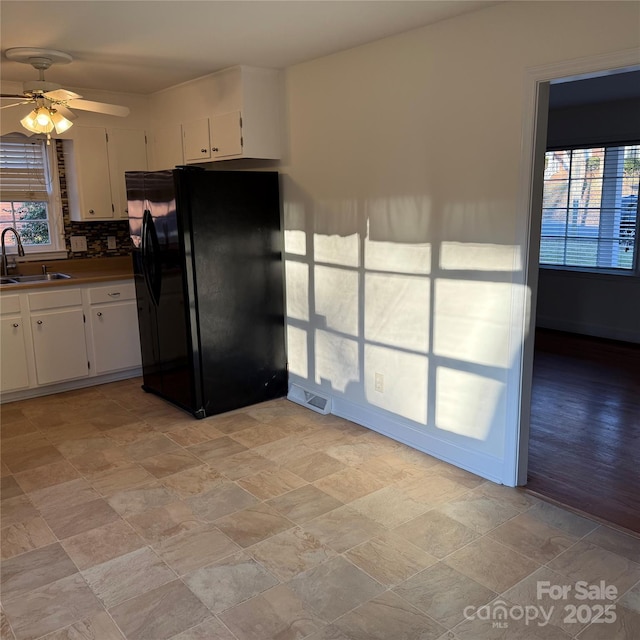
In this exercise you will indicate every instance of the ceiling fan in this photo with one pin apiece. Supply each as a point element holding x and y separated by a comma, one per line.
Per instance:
<point>51,103</point>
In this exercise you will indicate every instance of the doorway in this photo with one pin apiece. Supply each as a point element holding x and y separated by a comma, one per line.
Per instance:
<point>563,392</point>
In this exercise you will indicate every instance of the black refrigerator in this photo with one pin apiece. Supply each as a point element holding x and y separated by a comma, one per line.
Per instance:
<point>208,272</point>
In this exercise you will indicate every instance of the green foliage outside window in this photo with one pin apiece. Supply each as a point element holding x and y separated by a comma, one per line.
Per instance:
<point>29,219</point>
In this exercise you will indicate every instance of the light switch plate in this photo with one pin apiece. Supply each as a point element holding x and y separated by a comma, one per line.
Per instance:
<point>111,242</point>
<point>78,243</point>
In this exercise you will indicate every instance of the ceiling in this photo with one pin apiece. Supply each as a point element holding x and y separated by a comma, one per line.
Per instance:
<point>142,46</point>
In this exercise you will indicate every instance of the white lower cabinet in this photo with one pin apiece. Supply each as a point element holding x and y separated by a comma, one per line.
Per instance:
<point>14,370</point>
<point>113,314</point>
<point>64,337</point>
<point>57,333</point>
<point>59,347</point>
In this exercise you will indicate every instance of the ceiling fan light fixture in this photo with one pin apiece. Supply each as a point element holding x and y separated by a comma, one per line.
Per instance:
<point>38,121</point>
<point>30,123</point>
<point>60,122</point>
<point>44,120</point>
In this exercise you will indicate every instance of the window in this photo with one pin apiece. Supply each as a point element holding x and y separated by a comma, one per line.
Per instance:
<point>29,194</point>
<point>590,208</point>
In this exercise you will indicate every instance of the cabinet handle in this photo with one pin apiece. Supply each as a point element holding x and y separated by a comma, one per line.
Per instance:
<point>203,151</point>
<point>215,149</point>
<point>15,325</point>
<point>99,314</point>
<point>39,321</point>
<point>91,211</point>
<point>115,294</point>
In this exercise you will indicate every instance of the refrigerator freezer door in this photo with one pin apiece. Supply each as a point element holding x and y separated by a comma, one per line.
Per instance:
<point>160,285</point>
<point>147,307</point>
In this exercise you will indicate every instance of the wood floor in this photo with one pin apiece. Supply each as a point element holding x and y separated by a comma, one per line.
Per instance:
<point>584,448</point>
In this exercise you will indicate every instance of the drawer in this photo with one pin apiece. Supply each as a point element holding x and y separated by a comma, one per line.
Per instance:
<point>9,304</point>
<point>62,297</point>
<point>112,293</point>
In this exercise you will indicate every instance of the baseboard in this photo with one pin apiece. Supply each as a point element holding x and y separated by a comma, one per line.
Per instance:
<point>70,385</point>
<point>588,329</point>
<point>481,464</point>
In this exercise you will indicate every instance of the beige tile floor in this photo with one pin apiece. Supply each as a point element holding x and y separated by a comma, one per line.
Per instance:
<point>123,517</point>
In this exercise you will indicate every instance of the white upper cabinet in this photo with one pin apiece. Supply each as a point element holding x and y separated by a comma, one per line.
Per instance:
<point>166,147</point>
<point>227,139</point>
<point>127,151</point>
<point>235,113</point>
<point>215,138</point>
<point>95,161</point>
<point>87,169</point>
<point>196,144</point>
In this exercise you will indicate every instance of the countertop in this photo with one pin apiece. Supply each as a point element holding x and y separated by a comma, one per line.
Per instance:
<point>82,271</point>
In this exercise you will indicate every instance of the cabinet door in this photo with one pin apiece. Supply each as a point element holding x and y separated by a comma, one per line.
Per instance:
<point>59,345</point>
<point>116,341</point>
<point>14,373</point>
<point>226,135</point>
<point>167,147</point>
<point>195,140</point>
<point>92,175</point>
<point>127,152</point>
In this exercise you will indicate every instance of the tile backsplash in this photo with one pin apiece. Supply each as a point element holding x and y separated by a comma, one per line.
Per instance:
<point>96,233</point>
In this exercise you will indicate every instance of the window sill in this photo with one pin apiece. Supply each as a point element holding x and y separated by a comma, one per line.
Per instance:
<point>42,255</point>
<point>600,274</point>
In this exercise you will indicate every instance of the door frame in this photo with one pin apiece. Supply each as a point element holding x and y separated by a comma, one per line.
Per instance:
<point>534,131</point>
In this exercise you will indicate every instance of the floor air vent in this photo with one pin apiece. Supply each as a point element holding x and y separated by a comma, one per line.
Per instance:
<point>310,400</point>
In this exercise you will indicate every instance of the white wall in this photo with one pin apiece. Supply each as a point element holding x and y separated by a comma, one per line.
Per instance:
<point>404,228</point>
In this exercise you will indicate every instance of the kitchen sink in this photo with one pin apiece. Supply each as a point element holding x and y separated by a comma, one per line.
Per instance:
<point>40,277</point>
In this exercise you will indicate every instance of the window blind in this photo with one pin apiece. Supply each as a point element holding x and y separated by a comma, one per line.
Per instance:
<point>23,170</point>
<point>590,207</point>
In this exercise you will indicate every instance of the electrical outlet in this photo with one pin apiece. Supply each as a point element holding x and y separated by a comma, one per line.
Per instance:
<point>78,243</point>
<point>111,242</point>
<point>379,383</point>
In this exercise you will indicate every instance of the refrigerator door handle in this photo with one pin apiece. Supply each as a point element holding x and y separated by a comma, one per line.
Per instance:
<point>151,257</point>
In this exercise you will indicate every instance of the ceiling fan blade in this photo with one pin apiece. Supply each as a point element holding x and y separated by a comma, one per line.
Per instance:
<point>61,94</point>
<point>13,95</point>
<point>15,104</point>
<point>68,114</point>
<point>99,107</point>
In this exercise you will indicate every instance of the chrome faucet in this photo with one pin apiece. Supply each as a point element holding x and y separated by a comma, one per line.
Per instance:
<point>5,264</point>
